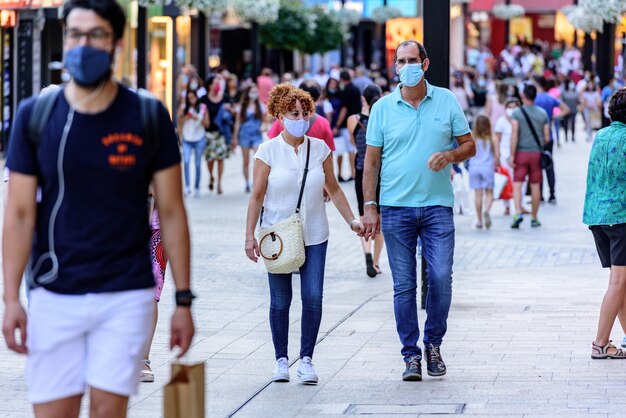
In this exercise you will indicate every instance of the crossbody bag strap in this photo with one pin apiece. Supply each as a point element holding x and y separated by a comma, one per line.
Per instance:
<point>306,171</point>
<point>532,128</point>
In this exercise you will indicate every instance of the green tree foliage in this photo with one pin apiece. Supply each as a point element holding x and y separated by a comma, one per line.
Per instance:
<point>327,36</point>
<point>288,31</point>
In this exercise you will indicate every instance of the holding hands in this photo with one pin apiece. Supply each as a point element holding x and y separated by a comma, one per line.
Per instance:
<point>371,223</point>
<point>357,226</point>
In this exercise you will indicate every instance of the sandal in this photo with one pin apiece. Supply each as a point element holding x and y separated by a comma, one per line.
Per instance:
<point>378,270</point>
<point>599,352</point>
<point>369,265</point>
<point>211,184</point>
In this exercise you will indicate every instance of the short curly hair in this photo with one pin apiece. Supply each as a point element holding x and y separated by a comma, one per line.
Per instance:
<point>617,106</point>
<point>283,98</point>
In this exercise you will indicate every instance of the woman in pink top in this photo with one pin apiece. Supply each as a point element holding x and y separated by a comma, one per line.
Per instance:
<point>319,125</point>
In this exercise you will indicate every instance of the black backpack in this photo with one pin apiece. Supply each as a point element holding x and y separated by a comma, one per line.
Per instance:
<point>44,104</point>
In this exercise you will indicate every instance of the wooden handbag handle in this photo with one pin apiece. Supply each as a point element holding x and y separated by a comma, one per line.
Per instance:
<point>274,237</point>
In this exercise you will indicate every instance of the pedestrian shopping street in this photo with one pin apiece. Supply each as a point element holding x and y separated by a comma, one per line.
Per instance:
<point>524,312</point>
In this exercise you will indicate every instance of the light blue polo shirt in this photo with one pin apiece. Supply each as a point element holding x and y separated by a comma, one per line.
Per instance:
<point>408,138</point>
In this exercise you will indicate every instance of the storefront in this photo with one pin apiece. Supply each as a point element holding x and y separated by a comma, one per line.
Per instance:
<point>542,21</point>
<point>8,22</point>
<point>168,48</point>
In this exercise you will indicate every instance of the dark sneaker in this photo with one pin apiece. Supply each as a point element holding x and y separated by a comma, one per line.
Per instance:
<point>517,219</point>
<point>552,200</point>
<point>535,223</point>
<point>435,364</point>
<point>413,372</point>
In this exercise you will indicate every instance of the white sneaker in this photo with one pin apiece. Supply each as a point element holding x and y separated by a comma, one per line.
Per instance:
<point>196,193</point>
<point>187,191</point>
<point>146,372</point>
<point>306,372</point>
<point>281,372</point>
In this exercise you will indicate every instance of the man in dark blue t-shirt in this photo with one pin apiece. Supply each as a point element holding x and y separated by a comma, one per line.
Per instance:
<point>91,300</point>
<point>548,103</point>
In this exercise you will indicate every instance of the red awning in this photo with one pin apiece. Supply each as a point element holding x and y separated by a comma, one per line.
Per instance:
<point>482,5</point>
<point>38,4</point>
<point>13,4</point>
<point>532,6</point>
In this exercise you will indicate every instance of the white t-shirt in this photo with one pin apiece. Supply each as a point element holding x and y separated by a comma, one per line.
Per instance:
<point>193,130</point>
<point>328,107</point>
<point>284,181</point>
<point>504,127</point>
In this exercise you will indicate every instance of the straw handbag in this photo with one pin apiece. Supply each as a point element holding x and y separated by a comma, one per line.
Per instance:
<point>282,245</point>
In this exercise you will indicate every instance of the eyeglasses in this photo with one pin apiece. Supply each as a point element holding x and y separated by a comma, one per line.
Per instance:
<point>403,61</point>
<point>96,36</point>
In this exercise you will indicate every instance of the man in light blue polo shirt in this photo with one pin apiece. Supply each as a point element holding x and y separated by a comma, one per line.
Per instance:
<point>411,132</point>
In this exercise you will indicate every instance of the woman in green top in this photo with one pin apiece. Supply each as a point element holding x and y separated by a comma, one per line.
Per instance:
<point>605,213</point>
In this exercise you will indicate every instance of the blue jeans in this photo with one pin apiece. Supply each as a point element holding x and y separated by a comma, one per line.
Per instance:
<point>198,149</point>
<point>311,289</point>
<point>434,225</point>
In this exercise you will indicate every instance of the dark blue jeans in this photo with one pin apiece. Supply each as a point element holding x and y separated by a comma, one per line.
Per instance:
<point>435,226</point>
<point>311,290</point>
<point>198,149</point>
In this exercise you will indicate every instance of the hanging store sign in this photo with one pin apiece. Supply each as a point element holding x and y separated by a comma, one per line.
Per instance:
<point>8,18</point>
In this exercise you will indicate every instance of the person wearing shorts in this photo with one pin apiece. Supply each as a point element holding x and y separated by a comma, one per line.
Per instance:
<point>350,105</point>
<point>91,304</point>
<point>526,153</point>
<point>482,168</point>
<point>605,214</point>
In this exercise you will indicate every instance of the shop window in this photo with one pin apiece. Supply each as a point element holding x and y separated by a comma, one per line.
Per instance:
<point>160,54</point>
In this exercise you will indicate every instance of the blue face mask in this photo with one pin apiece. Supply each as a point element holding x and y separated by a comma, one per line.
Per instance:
<point>88,66</point>
<point>296,127</point>
<point>411,75</point>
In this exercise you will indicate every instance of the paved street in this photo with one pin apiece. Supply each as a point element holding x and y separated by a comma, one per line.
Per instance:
<point>525,308</point>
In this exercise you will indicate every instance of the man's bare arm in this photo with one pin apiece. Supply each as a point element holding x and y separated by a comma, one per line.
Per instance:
<point>17,236</point>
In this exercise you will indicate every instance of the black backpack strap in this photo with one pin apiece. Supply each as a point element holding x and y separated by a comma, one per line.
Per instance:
<point>42,108</point>
<point>149,113</point>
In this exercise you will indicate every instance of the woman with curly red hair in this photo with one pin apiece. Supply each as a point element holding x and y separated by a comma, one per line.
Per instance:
<point>278,172</point>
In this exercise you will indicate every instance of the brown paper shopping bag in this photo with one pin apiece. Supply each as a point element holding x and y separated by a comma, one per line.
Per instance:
<point>183,396</point>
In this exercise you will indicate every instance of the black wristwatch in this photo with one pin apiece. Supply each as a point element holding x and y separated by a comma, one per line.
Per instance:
<point>184,297</point>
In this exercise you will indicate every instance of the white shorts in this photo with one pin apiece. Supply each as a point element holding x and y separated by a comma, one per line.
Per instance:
<point>343,144</point>
<point>96,340</point>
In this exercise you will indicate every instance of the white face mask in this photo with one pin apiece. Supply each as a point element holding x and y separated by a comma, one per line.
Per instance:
<point>253,95</point>
<point>510,111</point>
<point>296,127</point>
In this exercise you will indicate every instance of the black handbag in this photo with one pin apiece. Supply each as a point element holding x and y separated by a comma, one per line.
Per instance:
<point>546,156</point>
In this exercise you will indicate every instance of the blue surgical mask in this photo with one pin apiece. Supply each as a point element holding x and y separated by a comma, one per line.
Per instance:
<point>296,127</point>
<point>88,66</point>
<point>411,75</point>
